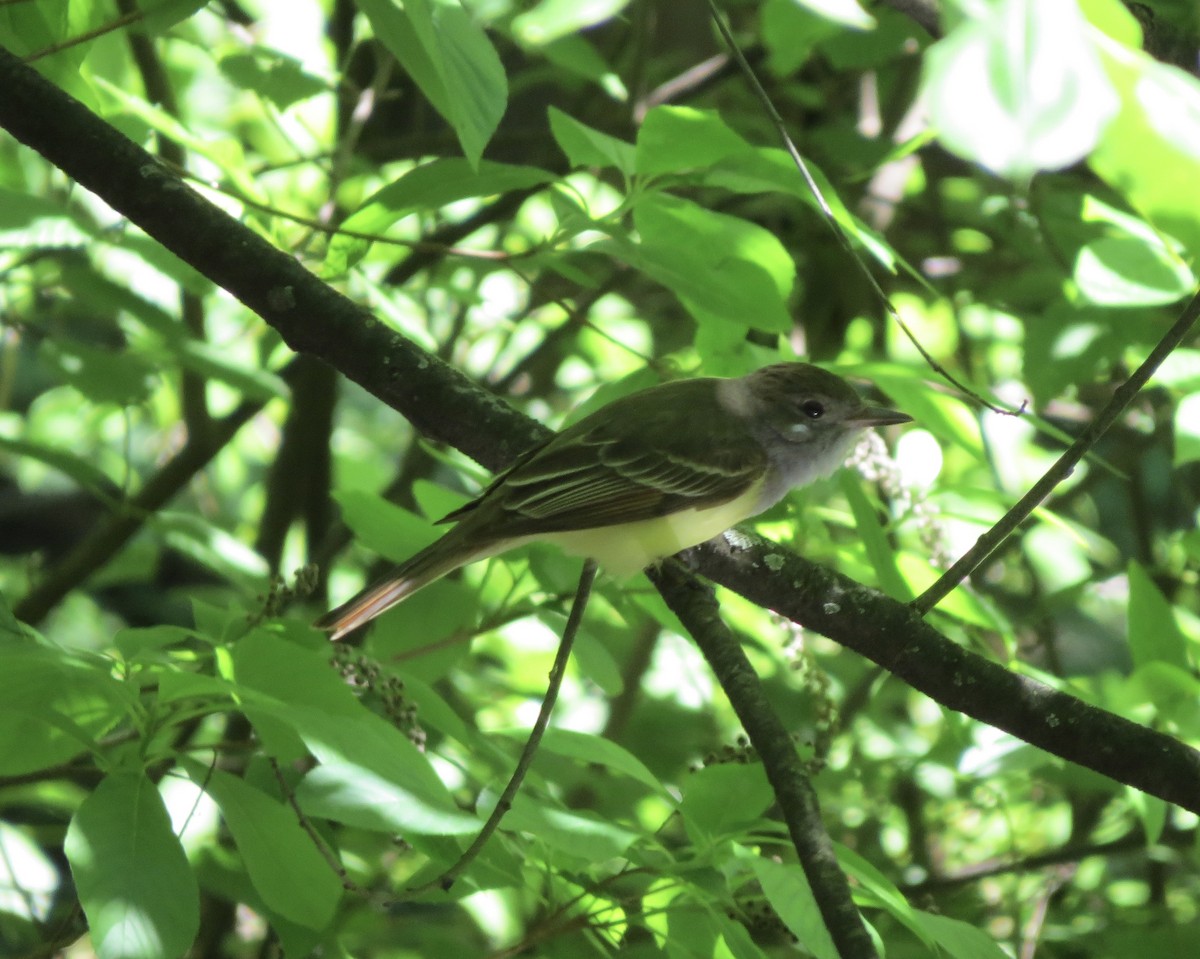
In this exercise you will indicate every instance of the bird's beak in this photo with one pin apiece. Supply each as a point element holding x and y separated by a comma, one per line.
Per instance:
<point>877,416</point>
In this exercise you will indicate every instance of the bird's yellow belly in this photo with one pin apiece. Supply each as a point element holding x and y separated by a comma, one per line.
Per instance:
<point>626,548</point>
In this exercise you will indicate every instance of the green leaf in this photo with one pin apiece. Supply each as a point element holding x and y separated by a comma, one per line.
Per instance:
<point>133,879</point>
<point>575,54</point>
<point>103,375</point>
<point>790,31</point>
<point>722,798</point>
<point>1126,271</point>
<point>452,61</point>
<point>881,891</point>
<point>81,470</point>
<point>874,538</point>
<point>1154,633</point>
<point>577,834</point>
<point>958,939</point>
<point>226,154</point>
<point>370,775</point>
<point>1019,88</point>
<point>434,712</point>
<point>194,535</point>
<point>133,642</point>
<point>672,139</point>
<point>722,268</point>
<point>1151,151</point>
<point>159,17</point>
<point>215,363</point>
<point>593,658</point>
<point>272,75</point>
<point>790,895</point>
<point>286,671</point>
<point>586,147</point>
<point>1187,430</point>
<point>285,866</point>
<point>587,748</point>
<point>289,673</point>
<point>429,186</point>
<point>552,19</point>
<point>31,222</point>
<point>383,527</point>
<point>1151,811</point>
<point>1114,19</point>
<point>429,632</point>
<point>766,169</point>
<point>52,708</point>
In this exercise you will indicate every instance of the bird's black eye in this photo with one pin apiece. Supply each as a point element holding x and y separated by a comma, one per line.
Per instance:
<point>813,409</point>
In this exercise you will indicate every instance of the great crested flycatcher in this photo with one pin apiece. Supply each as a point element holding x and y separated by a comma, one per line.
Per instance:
<point>646,476</point>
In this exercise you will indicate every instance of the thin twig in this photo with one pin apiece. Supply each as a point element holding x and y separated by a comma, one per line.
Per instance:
<point>831,219</point>
<point>117,24</point>
<point>1063,467</point>
<point>582,593</point>
<point>323,847</point>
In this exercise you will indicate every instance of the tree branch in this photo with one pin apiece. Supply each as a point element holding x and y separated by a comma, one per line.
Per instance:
<point>898,639</point>
<point>697,609</point>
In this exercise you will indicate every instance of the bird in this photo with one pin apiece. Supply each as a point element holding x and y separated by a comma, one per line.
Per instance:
<point>646,476</point>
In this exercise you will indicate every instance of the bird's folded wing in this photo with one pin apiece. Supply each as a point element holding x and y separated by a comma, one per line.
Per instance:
<point>597,474</point>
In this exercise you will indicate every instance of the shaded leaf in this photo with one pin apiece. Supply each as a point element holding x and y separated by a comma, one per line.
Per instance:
<point>594,749</point>
<point>586,147</point>
<point>429,186</point>
<point>1154,634</point>
<point>790,895</point>
<point>370,775</point>
<point>958,939</point>
<point>288,871</point>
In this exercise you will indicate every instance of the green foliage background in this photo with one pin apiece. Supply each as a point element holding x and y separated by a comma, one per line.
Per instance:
<point>568,201</point>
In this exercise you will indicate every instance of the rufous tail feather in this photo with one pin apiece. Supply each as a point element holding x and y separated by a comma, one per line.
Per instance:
<point>425,567</point>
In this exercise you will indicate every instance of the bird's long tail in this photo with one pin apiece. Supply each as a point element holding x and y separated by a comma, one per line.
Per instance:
<point>432,563</point>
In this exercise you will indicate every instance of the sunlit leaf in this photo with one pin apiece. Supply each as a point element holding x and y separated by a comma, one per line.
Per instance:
<point>451,59</point>
<point>1019,88</point>
<point>682,138</point>
<point>551,19</point>
<point>134,881</point>
<point>723,269</point>
<point>1151,151</point>
<point>1124,271</point>
<point>1187,429</point>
